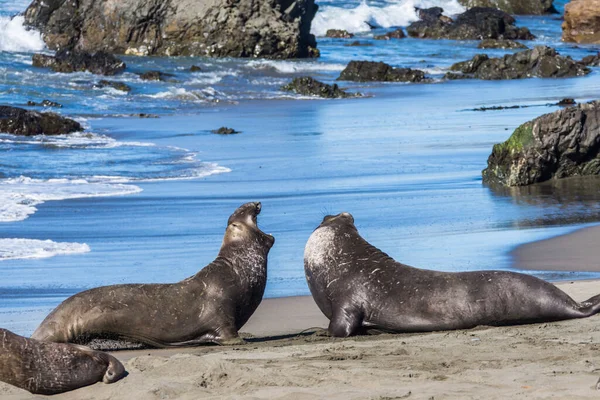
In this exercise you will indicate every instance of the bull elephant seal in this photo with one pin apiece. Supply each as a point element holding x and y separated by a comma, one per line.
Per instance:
<point>51,368</point>
<point>359,287</point>
<point>210,306</point>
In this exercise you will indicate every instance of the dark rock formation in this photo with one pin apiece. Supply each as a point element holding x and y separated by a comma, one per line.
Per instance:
<point>114,84</point>
<point>67,61</point>
<point>236,28</point>
<point>582,21</point>
<point>19,121</point>
<point>311,87</point>
<point>500,44</point>
<point>369,71</point>
<point>397,34</point>
<point>339,34</point>
<point>155,76</point>
<point>44,103</point>
<point>475,24</point>
<point>519,7</point>
<point>542,62</point>
<point>591,61</point>
<point>567,102</point>
<point>195,68</point>
<point>356,43</point>
<point>558,145</point>
<point>225,131</point>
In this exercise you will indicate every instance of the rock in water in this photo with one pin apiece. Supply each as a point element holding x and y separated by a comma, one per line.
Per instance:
<point>235,28</point>
<point>591,61</point>
<point>155,76</point>
<point>478,23</point>
<point>339,34</point>
<point>311,87</point>
<point>397,34</point>
<point>19,121</point>
<point>582,21</point>
<point>44,103</point>
<point>369,71</point>
<point>541,62</point>
<point>558,145</point>
<point>225,131</point>
<point>67,61</point>
<point>500,44</point>
<point>519,7</point>
<point>123,87</point>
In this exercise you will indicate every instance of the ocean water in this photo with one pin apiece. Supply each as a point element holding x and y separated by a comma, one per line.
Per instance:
<point>146,199</point>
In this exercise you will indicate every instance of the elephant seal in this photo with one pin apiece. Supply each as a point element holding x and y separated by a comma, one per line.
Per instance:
<point>209,307</point>
<point>51,368</point>
<point>359,287</point>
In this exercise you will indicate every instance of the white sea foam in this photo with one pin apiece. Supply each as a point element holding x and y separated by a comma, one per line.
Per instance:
<point>289,67</point>
<point>15,37</point>
<point>395,13</point>
<point>72,140</point>
<point>11,249</point>
<point>20,196</point>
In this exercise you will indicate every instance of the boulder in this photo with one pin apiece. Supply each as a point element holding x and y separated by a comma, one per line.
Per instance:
<point>68,61</point>
<point>519,7</point>
<point>19,121</point>
<point>225,131</point>
<point>369,71</point>
<point>338,34</point>
<point>567,102</point>
<point>44,103</point>
<point>582,21</point>
<point>356,43</point>
<point>308,86</point>
<point>234,28</point>
<point>155,76</point>
<point>500,44</point>
<point>558,145</point>
<point>478,23</point>
<point>123,87</point>
<point>397,34</point>
<point>591,61</point>
<point>195,68</point>
<point>541,62</point>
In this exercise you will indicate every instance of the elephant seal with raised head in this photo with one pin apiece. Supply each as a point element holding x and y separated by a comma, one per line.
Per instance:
<point>210,306</point>
<point>52,368</point>
<point>359,287</point>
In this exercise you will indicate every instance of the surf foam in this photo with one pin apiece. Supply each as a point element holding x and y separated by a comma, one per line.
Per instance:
<point>395,13</point>
<point>11,249</point>
<point>15,37</point>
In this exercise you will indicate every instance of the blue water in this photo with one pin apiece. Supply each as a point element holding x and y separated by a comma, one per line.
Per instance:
<point>147,200</point>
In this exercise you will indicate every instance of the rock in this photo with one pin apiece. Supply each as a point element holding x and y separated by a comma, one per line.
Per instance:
<point>397,34</point>
<point>311,87</point>
<point>195,68</point>
<point>356,43</point>
<point>567,102</point>
<point>478,23</point>
<point>19,121</point>
<point>339,34</point>
<point>500,44</point>
<point>114,84</point>
<point>220,28</point>
<point>369,71</point>
<point>155,76</point>
<point>67,61</point>
<point>541,61</point>
<point>44,103</point>
<point>497,108</point>
<point>591,61</point>
<point>225,131</point>
<point>144,115</point>
<point>558,145</point>
<point>582,21</point>
<point>519,7</point>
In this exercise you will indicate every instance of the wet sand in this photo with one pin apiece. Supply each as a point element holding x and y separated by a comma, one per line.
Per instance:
<point>558,360</point>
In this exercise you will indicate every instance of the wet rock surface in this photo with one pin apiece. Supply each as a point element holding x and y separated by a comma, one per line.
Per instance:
<point>582,21</point>
<point>19,121</point>
<point>155,76</point>
<point>558,145</point>
<point>500,44</point>
<point>339,34</point>
<point>591,61</point>
<point>397,34</point>
<point>542,62</point>
<point>369,71</point>
<point>68,61</point>
<point>518,7</point>
<point>225,131</point>
<point>478,23</point>
<point>123,87</point>
<point>219,28</point>
<point>308,86</point>
<point>44,103</point>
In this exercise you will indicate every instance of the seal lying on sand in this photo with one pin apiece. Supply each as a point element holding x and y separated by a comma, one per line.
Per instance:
<point>210,306</point>
<point>359,287</point>
<point>51,368</point>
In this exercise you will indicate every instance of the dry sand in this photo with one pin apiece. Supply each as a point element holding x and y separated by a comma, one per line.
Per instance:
<point>552,360</point>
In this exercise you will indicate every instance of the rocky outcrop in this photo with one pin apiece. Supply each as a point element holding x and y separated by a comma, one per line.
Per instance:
<point>236,28</point>
<point>19,121</point>
<point>519,7</point>
<point>356,43</point>
<point>582,21</point>
<point>558,145</point>
<point>500,44</point>
<point>68,61</point>
<point>44,103</point>
<point>226,131</point>
<point>541,62</point>
<point>397,34</point>
<point>123,87</point>
<point>308,86</point>
<point>155,76</point>
<point>591,61</point>
<point>369,71</point>
<point>338,34</point>
<point>195,68</point>
<point>475,24</point>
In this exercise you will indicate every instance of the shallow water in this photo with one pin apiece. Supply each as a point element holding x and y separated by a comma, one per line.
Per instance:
<point>146,200</point>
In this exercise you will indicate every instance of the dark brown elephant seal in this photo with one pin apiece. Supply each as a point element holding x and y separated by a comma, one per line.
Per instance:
<point>210,306</point>
<point>51,368</point>
<point>359,287</point>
